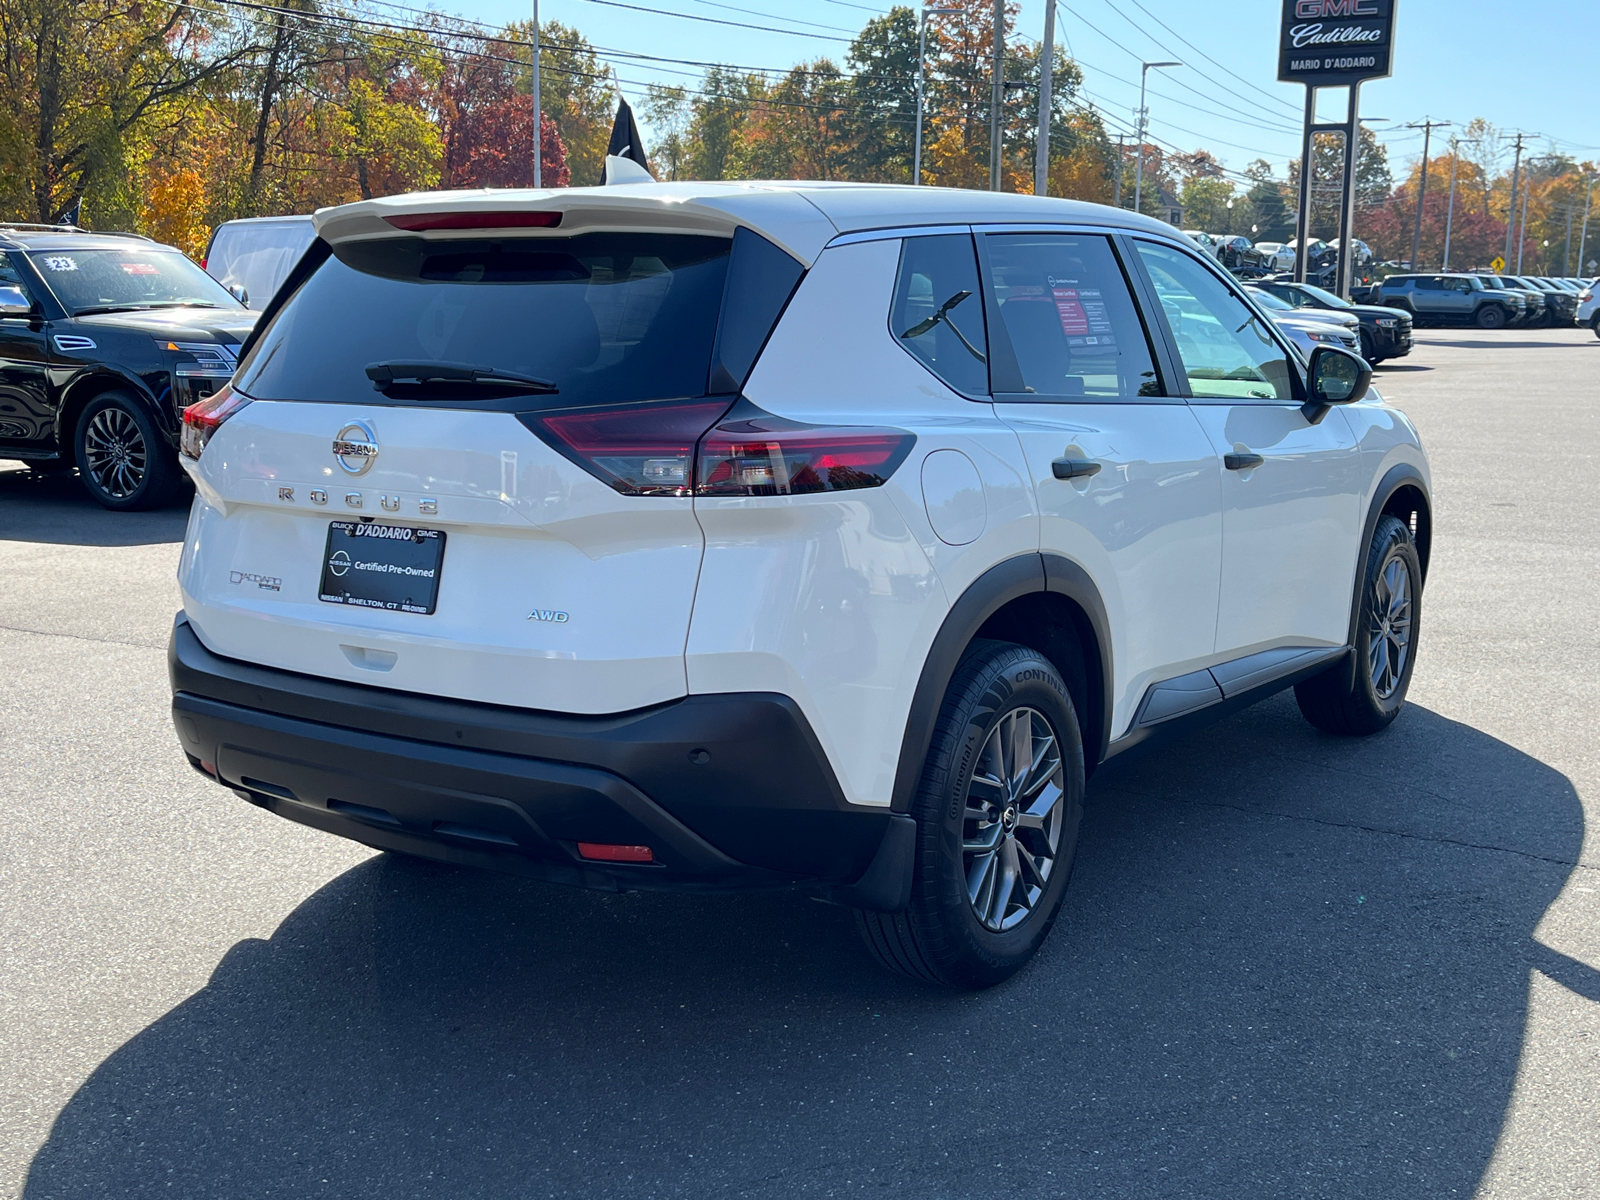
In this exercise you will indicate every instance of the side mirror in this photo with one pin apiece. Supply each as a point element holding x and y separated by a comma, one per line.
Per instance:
<point>14,302</point>
<point>239,293</point>
<point>1335,377</point>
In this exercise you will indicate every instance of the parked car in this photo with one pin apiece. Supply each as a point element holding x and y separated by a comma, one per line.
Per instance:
<point>1305,330</point>
<point>1384,332</point>
<point>253,255</point>
<point>1238,254</point>
<point>1560,305</point>
<point>104,339</point>
<point>1451,300</point>
<point>1204,240</point>
<point>534,533</point>
<point>1322,256</point>
<point>1533,297</point>
<point>1589,308</point>
<point>1276,256</point>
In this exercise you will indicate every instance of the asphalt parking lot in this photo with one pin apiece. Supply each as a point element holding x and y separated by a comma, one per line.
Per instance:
<point>1287,965</point>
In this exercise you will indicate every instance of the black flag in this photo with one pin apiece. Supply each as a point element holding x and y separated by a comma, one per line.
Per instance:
<point>625,140</point>
<point>73,214</point>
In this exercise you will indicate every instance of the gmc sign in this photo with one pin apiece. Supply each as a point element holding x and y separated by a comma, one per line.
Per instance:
<point>1331,43</point>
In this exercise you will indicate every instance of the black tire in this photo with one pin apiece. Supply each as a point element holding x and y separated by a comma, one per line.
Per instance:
<point>1491,316</point>
<point>1594,324</point>
<point>1367,352</point>
<point>123,460</point>
<point>1000,695</point>
<point>1360,700</point>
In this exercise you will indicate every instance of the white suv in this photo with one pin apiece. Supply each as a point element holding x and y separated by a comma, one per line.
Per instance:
<point>711,536</point>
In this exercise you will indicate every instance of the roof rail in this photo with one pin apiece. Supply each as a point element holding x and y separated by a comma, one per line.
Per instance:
<point>41,227</point>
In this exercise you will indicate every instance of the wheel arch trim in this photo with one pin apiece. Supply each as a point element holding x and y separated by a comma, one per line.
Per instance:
<point>1396,479</point>
<point>87,387</point>
<point>1012,579</point>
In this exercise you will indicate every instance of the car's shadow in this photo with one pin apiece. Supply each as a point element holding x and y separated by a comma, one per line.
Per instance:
<point>55,508</point>
<point>1288,965</point>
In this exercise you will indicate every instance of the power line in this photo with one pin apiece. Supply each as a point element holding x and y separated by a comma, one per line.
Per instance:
<point>1214,62</point>
<point>663,12</point>
<point>751,12</point>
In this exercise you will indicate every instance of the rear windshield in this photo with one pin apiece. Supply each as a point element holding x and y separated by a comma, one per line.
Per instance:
<point>607,318</point>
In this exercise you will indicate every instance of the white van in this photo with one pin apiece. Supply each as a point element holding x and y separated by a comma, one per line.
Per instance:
<point>255,254</point>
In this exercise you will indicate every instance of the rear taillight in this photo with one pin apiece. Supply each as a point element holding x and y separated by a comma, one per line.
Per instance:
<point>763,455</point>
<point>204,418</point>
<point>641,450</point>
<point>706,449</point>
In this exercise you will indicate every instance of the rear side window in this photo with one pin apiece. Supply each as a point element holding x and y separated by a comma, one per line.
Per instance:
<point>1070,316</point>
<point>606,318</point>
<point>938,313</point>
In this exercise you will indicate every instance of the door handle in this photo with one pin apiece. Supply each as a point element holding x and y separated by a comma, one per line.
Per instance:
<point>1074,468</point>
<point>1242,462</point>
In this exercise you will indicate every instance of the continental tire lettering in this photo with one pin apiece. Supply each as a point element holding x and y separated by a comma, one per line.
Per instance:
<point>1035,675</point>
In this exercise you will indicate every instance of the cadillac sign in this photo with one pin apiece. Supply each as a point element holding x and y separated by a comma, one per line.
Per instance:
<point>1331,43</point>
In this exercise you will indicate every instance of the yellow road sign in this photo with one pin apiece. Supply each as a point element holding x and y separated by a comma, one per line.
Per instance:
<point>1497,264</point>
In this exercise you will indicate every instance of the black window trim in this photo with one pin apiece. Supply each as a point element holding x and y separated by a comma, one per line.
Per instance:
<point>1296,375</point>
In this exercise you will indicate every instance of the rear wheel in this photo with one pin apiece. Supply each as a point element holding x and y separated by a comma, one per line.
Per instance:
<point>1367,699</point>
<point>1595,324</point>
<point>123,460</point>
<point>1491,316</point>
<point>997,811</point>
<point>1367,351</point>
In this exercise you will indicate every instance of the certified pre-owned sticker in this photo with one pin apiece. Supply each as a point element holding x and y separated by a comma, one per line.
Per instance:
<point>267,583</point>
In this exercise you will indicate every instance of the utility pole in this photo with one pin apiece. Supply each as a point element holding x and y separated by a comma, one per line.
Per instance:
<point>1427,128</point>
<point>538,119</point>
<point>1511,215</point>
<point>1583,238</point>
<point>1522,237</point>
<point>1116,179</point>
<point>1566,252</point>
<point>1047,62</point>
<point>1450,212</point>
<point>997,99</point>
<point>1144,118</point>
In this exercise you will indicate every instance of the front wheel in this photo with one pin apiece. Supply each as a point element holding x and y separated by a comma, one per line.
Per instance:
<point>123,460</point>
<point>997,812</point>
<point>1595,324</point>
<point>1364,700</point>
<point>1491,316</point>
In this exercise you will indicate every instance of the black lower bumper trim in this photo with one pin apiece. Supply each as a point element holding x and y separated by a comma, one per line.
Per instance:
<point>729,791</point>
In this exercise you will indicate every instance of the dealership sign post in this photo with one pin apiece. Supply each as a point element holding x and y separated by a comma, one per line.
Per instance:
<point>1333,43</point>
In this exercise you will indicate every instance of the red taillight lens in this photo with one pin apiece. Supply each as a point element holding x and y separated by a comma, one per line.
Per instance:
<point>642,450</point>
<point>418,222</point>
<point>683,449</point>
<point>203,419</point>
<point>769,456</point>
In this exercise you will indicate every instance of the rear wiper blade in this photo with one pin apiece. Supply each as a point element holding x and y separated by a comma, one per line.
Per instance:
<point>384,374</point>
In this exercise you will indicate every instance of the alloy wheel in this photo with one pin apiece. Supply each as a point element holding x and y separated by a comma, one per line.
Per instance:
<point>1011,829</point>
<point>115,455</point>
<point>1389,628</point>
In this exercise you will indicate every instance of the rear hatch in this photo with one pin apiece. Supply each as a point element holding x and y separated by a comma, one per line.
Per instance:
<point>441,482</point>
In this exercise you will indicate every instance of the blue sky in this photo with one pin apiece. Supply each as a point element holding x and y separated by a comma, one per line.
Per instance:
<point>1526,66</point>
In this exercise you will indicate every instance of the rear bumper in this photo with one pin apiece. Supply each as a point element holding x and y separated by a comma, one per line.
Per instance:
<point>729,791</point>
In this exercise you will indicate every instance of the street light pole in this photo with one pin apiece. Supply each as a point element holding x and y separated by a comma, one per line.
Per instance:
<point>1138,170</point>
<point>1047,59</point>
<point>922,58</point>
<point>538,119</point>
<point>997,99</point>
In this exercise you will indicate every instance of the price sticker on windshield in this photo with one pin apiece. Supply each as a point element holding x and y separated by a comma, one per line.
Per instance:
<point>139,268</point>
<point>60,262</point>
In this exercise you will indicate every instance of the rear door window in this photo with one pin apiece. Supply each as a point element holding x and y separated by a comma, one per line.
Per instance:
<point>604,318</point>
<point>938,313</point>
<point>1070,316</point>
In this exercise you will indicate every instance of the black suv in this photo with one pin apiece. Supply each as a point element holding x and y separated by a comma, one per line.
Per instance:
<point>104,339</point>
<point>1385,332</point>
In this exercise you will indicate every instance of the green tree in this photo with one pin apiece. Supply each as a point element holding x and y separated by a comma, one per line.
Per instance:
<point>1205,202</point>
<point>881,107</point>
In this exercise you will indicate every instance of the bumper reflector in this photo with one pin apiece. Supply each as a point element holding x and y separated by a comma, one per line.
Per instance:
<point>611,852</point>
